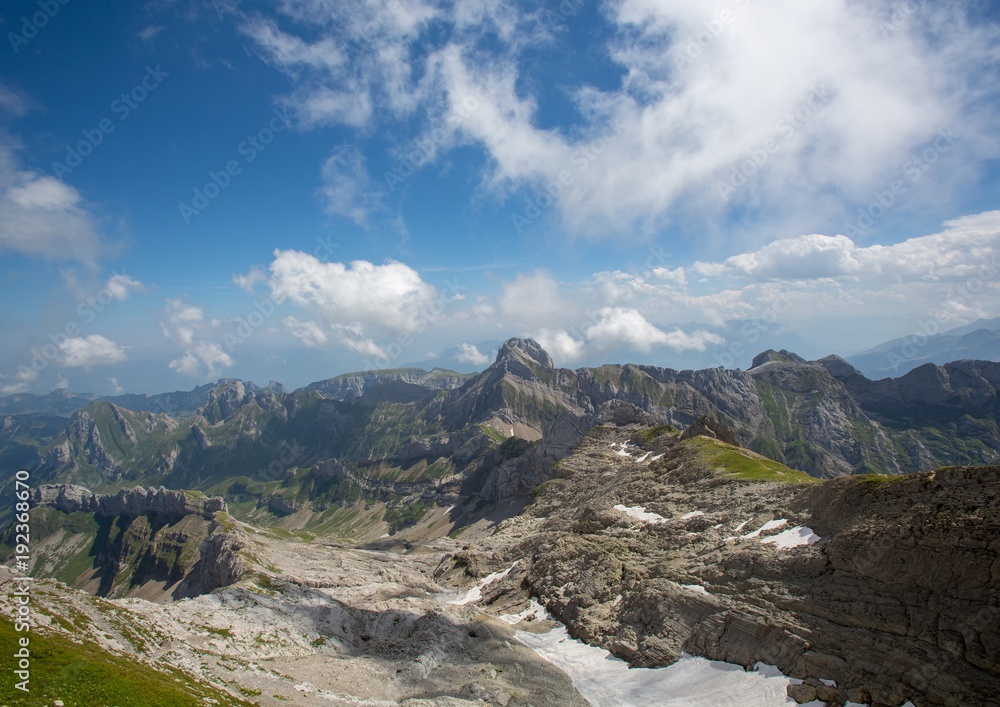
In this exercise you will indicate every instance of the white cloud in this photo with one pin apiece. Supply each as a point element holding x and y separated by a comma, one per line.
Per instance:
<point>535,301</point>
<point>956,252</point>
<point>249,281</point>
<point>14,102</point>
<point>391,296</point>
<point>203,361</point>
<point>352,336</point>
<point>115,387</point>
<point>44,193</point>
<point>469,353</point>
<point>325,107</point>
<point>89,351</point>
<point>42,216</point>
<point>561,345</point>
<point>309,333</point>
<point>616,326</point>
<point>120,286</point>
<point>347,188</point>
<point>180,321</point>
<point>805,257</point>
<point>22,381</point>
<point>707,87</point>
<point>290,53</point>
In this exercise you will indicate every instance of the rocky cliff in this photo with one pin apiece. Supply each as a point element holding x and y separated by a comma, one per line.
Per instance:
<point>131,503</point>
<point>886,588</point>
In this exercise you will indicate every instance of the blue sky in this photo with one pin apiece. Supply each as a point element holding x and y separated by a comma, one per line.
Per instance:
<point>292,190</point>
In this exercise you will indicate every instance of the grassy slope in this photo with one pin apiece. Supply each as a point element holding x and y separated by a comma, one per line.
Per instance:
<point>84,674</point>
<point>744,465</point>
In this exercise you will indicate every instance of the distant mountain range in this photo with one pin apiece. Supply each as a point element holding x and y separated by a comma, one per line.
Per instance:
<point>495,434</point>
<point>977,341</point>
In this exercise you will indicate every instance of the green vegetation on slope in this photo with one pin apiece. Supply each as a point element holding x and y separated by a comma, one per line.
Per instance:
<point>744,465</point>
<point>84,674</point>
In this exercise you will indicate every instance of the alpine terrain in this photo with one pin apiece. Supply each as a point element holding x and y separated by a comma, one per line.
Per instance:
<point>794,533</point>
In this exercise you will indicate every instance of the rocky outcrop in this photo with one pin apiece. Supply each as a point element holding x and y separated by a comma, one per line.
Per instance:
<point>888,587</point>
<point>705,426</point>
<point>131,503</point>
<point>220,564</point>
<point>230,396</point>
<point>401,385</point>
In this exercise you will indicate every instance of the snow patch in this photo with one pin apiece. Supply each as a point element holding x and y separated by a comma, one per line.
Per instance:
<point>742,525</point>
<point>476,593</point>
<point>603,679</point>
<point>794,537</point>
<point>640,513</point>
<point>692,514</point>
<point>769,525</point>
<point>535,612</point>
<point>696,588</point>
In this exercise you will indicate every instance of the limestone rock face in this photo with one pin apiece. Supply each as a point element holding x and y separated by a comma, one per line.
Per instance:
<point>219,565</point>
<point>705,426</point>
<point>887,586</point>
<point>131,502</point>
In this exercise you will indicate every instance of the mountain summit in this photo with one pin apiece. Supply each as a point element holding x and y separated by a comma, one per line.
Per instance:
<point>525,351</point>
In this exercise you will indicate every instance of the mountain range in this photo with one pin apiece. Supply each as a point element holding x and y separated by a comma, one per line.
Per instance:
<point>797,514</point>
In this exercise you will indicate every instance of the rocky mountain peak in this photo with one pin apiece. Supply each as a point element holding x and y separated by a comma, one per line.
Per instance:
<point>838,367</point>
<point>772,356</point>
<point>526,351</point>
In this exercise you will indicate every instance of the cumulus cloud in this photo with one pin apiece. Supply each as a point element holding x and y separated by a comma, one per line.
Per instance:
<point>205,360</point>
<point>21,381</point>
<point>534,300</point>
<point>89,351</point>
<point>616,326</point>
<point>469,353</point>
<point>180,321</point>
<point>41,216</point>
<point>561,345</point>
<point>956,252</point>
<point>391,296</point>
<point>249,281</point>
<point>309,333</point>
<point>120,286</point>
